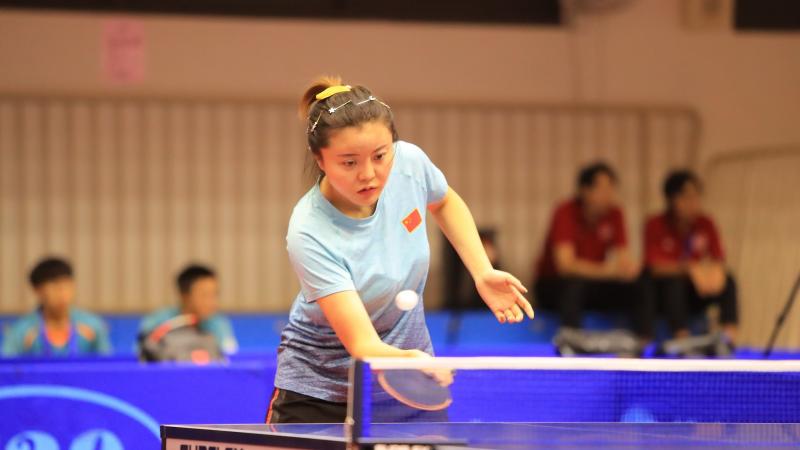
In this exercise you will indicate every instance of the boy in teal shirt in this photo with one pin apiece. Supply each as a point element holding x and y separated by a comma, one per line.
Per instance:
<point>56,328</point>
<point>199,293</point>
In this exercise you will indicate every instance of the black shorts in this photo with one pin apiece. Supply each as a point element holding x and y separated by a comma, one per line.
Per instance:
<point>292,407</point>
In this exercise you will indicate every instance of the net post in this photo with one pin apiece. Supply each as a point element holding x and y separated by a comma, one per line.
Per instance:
<point>359,414</point>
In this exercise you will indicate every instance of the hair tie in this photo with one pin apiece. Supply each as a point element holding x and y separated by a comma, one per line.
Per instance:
<point>331,91</point>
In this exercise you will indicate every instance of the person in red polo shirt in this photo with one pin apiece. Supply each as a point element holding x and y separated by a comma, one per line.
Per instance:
<point>685,258</point>
<point>586,262</point>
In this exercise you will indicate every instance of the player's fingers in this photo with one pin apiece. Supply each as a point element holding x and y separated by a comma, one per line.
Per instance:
<point>444,377</point>
<point>510,315</point>
<point>500,316</point>
<point>523,302</point>
<point>517,296</point>
<point>514,281</point>
<point>517,313</point>
<point>526,306</point>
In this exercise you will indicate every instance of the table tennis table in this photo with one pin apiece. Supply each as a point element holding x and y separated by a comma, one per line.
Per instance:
<point>497,436</point>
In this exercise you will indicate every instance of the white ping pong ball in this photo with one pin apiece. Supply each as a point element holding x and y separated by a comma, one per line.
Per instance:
<point>406,300</point>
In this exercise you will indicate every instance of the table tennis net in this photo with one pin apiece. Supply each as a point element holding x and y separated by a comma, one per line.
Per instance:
<point>579,390</point>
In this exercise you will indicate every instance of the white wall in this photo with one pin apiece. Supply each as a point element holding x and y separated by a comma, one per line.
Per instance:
<point>745,85</point>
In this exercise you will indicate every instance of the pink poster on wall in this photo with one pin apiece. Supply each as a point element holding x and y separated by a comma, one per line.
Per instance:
<point>123,51</point>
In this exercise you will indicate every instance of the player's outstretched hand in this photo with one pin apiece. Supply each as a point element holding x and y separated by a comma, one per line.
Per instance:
<point>502,293</point>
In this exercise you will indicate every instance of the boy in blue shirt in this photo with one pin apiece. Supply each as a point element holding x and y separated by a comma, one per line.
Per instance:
<point>56,328</point>
<point>199,297</point>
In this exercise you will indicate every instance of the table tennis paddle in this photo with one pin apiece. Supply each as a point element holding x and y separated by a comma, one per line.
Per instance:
<point>416,389</point>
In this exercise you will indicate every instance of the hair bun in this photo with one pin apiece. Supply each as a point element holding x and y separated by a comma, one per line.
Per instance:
<point>317,86</point>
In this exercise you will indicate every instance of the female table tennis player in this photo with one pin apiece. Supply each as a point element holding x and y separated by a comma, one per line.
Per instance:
<point>355,240</point>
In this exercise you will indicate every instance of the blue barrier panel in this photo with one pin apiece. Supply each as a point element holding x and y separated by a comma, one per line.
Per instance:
<point>481,327</point>
<point>115,404</point>
<point>261,332</point>
<point>258,332</point>
<point>122,332</point>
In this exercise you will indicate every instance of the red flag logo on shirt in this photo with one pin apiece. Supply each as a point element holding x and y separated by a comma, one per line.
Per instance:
<point>412,221</point>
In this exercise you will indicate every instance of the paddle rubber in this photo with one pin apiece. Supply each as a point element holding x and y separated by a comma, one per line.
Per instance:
<point>415,388</point>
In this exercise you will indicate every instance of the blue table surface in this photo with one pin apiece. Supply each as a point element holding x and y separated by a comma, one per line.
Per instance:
<point>502,436</point>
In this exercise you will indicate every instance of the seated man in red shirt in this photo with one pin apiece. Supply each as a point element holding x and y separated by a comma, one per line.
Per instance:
<point>684,255</point>
<point>586,262</point>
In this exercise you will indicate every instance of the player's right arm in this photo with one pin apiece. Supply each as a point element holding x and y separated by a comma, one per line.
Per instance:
<point>349,319</point>
<point>325,279</point>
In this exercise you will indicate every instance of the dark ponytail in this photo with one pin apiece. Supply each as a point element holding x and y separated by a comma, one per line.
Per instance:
<point>317,86</point>
<point>352,107</point>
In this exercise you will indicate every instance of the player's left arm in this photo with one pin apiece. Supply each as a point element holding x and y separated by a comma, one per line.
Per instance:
<point>501,291</point>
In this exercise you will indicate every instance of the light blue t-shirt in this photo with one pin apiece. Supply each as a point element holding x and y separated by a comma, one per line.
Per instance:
<point>377,257</point>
